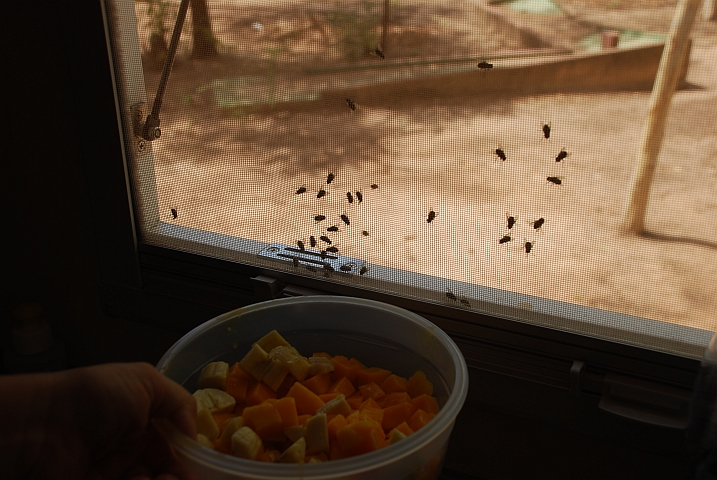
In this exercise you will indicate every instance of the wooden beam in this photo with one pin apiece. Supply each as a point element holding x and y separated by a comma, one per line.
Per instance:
<point>668,75</point>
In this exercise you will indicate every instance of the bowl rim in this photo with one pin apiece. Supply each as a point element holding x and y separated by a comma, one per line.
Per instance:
<point>354,465</point>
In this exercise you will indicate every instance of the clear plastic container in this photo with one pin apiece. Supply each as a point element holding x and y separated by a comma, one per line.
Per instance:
<point>377,334</point>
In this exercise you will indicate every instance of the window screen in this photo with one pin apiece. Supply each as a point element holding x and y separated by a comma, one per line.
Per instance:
<point>480,155</point>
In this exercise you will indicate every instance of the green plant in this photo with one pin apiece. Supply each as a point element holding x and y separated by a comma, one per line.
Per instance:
<point>357,30</point>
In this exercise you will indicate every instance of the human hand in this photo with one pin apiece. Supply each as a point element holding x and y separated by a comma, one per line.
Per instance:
<point>93,423</point>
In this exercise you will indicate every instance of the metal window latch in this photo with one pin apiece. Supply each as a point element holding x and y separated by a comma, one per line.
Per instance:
<point>313,260</point>
<point>148,128</point>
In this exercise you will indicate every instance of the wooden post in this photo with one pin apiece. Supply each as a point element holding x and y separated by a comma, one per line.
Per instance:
<point>709,10</point>
<point>384,26</point>
<point>668,75</point>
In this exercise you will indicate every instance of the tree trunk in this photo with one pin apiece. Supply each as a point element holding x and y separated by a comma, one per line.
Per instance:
<point>384,26</point>
<point>668,74</point>
<point>204,44</point>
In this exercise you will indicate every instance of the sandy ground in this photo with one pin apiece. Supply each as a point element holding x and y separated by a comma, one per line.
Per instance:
<point>237,174</point>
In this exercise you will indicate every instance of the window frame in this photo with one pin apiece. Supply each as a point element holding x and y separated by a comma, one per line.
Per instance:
<point>179,290</point>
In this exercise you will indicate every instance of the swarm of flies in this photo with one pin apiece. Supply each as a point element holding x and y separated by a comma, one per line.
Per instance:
<point>321,238</point>
<point>536,223</point>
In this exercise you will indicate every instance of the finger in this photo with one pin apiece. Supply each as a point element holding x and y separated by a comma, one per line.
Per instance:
<point>169,400</point>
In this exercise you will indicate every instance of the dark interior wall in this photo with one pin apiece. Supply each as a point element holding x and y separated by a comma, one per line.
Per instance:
<point>56,120</point>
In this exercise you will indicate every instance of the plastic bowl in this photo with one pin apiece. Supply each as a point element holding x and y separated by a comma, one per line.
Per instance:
<point>377,334</point>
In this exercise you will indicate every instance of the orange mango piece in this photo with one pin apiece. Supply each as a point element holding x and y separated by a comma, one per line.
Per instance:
<point>344,368</point>
<point>372,374</point>
<point>343,385</point>
<point>355,400</point>
<point>264,419</point>
<point>371,390</point>
<point>419,419</point>
<point>287,410</point>
<point>237,383</point>
<point>307,402</point>
<point>394,383</point>
<point>404,428</point>
<point>394,415</point>
<point>359,437</point>
<point>301,419</point>
<point>319,384</point>
<point>327,397</point>
<point>426,403</point>
<point>322,354</point>
<point>257,393</point>
<point>395,398</point>
<point>335,424</point>
<point>222,419</point>
<point>418,384</point>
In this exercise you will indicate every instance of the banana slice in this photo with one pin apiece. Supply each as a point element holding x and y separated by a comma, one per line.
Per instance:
<point>214,400</point>
<point>297,365</point>
<point>336,405</point>
<point>204,441</point>
<point>295,453</point>
<point>214,375</point>
<point>256,362</point>
<point>246,443</point>
<point>396,435</point>
<point>319,365</point>
<point>272,340</point>
<point>317,434</point>
<point>233,425</point>
<point>206,425</point>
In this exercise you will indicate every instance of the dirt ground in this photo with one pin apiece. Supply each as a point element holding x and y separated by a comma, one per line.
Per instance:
<point>237,173</point>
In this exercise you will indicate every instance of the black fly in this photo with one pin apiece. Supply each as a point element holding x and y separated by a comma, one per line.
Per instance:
<point>332,250</point>
<point>321,193</point>
<point>301,190</point>
<point>324,238</point>
<point>345,268</point>
<point>300,244</point>
<point>511,221</point>
<point>528,247</point>
<point>451,295</point>
<point>485,65</point>
<point>332,228</point>
<point>364,233</point>
<point>174,213</point>
<point>312,241</point>
<point>374,186</point>
<point>350,197</point>
<point>345,219</point>
<point>546,130</point>
<point>431,216</point>
<point>501,154</point>
<point>562,155</point>
<point>538,223</point>
<point>319,218</point>
<point>359,196</point>
<point>295,261</point>
<point>379,52</point>
<point>363,270</point>
<point>505,239</point>
<point>555,180</point>
<point>351,104</point>
<point>465,302</point>
<point>330,178</point>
